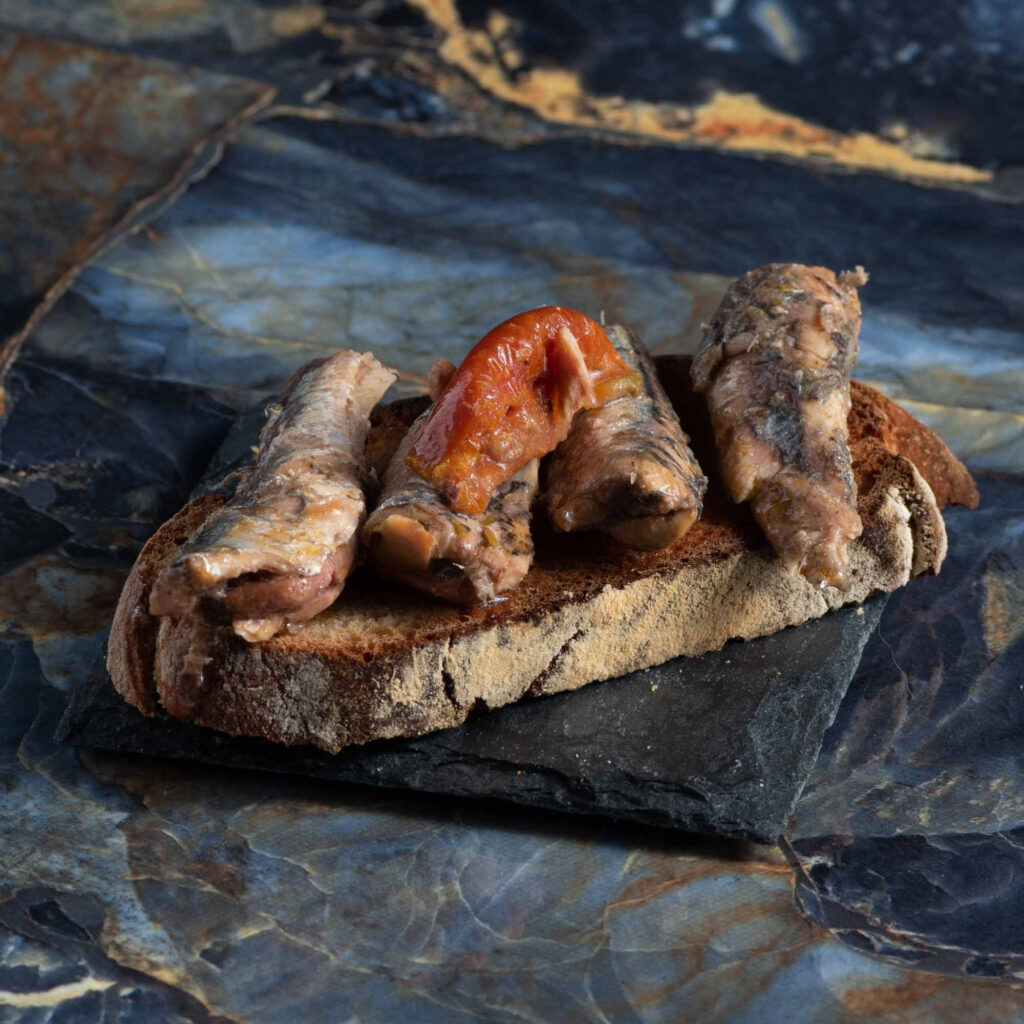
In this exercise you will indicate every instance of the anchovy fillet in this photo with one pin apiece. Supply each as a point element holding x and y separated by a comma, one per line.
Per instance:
<point>775,366</point>
<point>414,537</point>
<point>280,549</point>
<point>626,468</point>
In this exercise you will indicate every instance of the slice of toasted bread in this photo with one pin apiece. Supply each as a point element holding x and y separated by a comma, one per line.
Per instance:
<point>385,661</point>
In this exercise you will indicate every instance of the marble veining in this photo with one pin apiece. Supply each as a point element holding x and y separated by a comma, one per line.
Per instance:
<point>399,205</point>
<point>91,140</point>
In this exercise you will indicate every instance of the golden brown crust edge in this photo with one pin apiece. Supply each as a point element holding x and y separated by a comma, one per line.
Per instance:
<point>875,416</point>
<point>317,686</point>
<point>131,650</point>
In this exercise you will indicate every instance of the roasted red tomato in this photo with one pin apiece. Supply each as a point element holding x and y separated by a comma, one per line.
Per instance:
<point>512,400</point>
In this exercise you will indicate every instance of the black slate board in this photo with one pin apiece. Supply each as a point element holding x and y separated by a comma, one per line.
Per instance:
<point>720,744</point>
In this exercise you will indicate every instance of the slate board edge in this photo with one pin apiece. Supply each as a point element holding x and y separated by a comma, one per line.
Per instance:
<point>680,807</point>
<point>571,795</point>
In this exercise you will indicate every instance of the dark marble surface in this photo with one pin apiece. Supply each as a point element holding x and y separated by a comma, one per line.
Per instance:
<point>923,91</point>
<point>929,739</point>
<point>908,833</point>
<point>90,139</point>
<point>941,902</point>
<point>438,163</point>
<point>946,70</point>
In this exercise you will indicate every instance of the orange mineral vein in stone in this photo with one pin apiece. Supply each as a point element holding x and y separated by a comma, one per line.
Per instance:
<point>737,122</point>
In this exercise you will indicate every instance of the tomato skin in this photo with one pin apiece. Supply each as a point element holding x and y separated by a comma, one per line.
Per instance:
<point>512,400</point>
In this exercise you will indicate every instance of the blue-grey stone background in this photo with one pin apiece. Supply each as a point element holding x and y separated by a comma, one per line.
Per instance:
<point>176,240</point>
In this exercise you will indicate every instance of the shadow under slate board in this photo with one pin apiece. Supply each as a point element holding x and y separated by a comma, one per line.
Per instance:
<point>721,744</point>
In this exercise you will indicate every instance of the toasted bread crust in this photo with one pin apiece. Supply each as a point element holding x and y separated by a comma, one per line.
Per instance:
<point>385,662</point>
<point>132,648</point>
<point>876,417</point>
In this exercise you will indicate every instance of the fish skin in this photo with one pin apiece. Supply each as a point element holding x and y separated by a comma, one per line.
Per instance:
<point>775,366</point>
<point>284,543</point>
<point>626,467</point>
<point>415,538</point>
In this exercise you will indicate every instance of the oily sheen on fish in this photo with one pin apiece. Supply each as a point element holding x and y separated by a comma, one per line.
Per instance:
<point>281,548</point>
<point>626,467</point>
<point>775,366</point>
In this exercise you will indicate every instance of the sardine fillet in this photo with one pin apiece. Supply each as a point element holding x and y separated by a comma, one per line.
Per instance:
<point>412,536</point>
<point>626,468</point>
<point>775,366</point>
<point>281,548</point>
